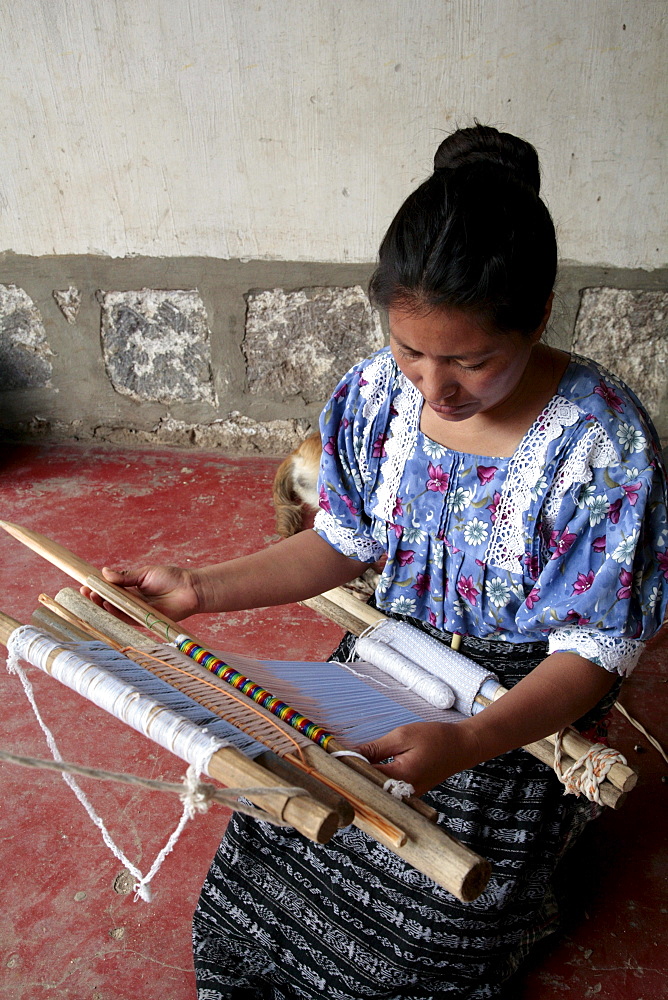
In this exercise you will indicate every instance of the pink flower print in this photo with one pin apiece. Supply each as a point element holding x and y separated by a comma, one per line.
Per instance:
<point>583,583</point>
<point>626,579</point>
<point>610,396</point>
<point>438,480</point>
<point>405,557</point>
<point>451,547</point>
<point>632,492</point>
<point>342,392</point>
<point>533,598</point>
<point>361,380</point>
<point>422,585</point>
<point>466,589</point>
<point>432,618</point>
<point>533,565</point>
<point>486,473</point>
<point>349,504</point>
<point>561,543</point>
<point>324,500</point>
<point>479,562</point>
<point>393,410</point>
<point>598,545</point>
<point>493,505</point>
<point>663,563</point>
<point>397,529</point>
<point>330,446</point>
<point>613,511</point>
<point>344,423</point>
<point>574,618</point>
<point>398,507</point>
<point>379,446</point>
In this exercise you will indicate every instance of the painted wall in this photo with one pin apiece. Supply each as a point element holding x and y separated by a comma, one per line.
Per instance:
<point>292,129</point>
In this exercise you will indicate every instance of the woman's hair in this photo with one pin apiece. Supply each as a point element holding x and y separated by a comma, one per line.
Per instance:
<point>474,236</point>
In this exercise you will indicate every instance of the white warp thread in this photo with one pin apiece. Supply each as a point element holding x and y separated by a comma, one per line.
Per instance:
<point>412,676</point>
<point>462,675</point>
<point>139,711</point>
<point>99,684</point>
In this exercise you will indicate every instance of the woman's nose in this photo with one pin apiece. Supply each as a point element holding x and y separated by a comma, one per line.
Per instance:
<point>437,385</point>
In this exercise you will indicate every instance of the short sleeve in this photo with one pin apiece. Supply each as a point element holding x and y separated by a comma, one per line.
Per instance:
<point>348,454</point>
<point>602,589</point>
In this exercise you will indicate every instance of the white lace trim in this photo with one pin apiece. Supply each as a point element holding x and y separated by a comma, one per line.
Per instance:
<point>378,376</point>
<point>613,654</point>
<point>507,540</point>
<point>399,447</point>
<point>594,450</point>
<point>347,540</point>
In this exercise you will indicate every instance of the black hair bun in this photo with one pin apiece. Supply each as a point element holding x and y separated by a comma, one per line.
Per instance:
<point>484,145</point>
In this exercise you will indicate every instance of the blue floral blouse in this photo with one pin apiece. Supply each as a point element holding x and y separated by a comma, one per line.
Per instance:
<point>565,540</point>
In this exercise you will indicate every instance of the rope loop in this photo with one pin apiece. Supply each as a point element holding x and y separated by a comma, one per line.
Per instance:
<point>594,766</point>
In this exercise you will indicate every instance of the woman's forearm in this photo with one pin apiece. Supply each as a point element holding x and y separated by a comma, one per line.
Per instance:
<point>292,570</point>
<point>557,692</point>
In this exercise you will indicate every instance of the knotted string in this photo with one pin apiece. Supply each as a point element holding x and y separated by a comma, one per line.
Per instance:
<point>596,763</point>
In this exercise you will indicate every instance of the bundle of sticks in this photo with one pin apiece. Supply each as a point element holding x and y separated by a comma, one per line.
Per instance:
<point>333,791</point>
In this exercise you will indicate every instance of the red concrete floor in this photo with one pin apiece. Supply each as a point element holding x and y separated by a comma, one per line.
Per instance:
<point>64,930</point>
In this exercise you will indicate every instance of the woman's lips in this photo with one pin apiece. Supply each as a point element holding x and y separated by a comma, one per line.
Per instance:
<point>447,410</point>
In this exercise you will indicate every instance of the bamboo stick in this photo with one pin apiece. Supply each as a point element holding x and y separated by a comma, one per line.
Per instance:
<point>227,765</point>
<point>622,777</point>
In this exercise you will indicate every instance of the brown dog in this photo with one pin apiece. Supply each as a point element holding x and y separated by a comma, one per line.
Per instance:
<point>295,492</point>
<point>295,498</point>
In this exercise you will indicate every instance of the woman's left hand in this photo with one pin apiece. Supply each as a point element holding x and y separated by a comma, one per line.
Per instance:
<point>425,753</point>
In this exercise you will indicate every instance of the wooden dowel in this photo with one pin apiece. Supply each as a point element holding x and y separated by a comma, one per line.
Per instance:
<point>360,616</point>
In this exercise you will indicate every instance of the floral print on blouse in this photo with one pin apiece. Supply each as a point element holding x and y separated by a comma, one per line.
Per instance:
<point>566,540</point>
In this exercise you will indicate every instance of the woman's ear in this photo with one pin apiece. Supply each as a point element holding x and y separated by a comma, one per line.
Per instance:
<point>540,329</point>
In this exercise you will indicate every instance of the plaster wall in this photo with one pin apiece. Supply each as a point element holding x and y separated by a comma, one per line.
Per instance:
<point>292,130</point>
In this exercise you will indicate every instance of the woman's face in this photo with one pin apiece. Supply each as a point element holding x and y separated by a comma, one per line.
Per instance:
<point>459,366</point>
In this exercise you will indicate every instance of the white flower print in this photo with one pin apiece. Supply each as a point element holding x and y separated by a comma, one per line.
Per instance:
<point>436,555</point>
<point>475,532</point>
<point>413,534</point>
<point>498,592</point>
<point>632,473</point>
<point>630,438</point>
<point>624,551</point>
<point>653,599</point>
<point>403,606</point>
<point>539,488</point>
<point>598,508</point>
<point>432,449</point>
<point>587,494</point>
<point>459,499</point>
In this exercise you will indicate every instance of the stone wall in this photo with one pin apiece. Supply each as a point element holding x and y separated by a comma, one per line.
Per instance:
<point>241,356</point>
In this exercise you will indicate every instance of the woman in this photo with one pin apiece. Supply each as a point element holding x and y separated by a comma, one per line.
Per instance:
<point>518,497</point>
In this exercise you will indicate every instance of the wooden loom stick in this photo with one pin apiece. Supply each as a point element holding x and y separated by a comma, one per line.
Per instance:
<point>232,768</point>
<point>428,848</point>
<point>98,623</point>
<point>621,777</point>
<point>141,612</point>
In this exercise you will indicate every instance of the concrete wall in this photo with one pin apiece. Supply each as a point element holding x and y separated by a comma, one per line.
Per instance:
<point>223,149</point>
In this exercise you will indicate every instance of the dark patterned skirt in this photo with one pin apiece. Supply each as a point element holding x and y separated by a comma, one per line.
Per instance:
<point>281,917</point>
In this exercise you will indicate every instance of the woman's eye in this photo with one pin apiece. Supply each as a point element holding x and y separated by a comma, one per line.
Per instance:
<point>472,368</point>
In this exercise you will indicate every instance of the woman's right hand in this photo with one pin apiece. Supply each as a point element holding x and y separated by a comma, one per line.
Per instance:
<point>171,590</point>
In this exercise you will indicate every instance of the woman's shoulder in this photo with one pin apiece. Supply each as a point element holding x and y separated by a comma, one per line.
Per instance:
<point>604,399</point>
<point>370,377</point>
